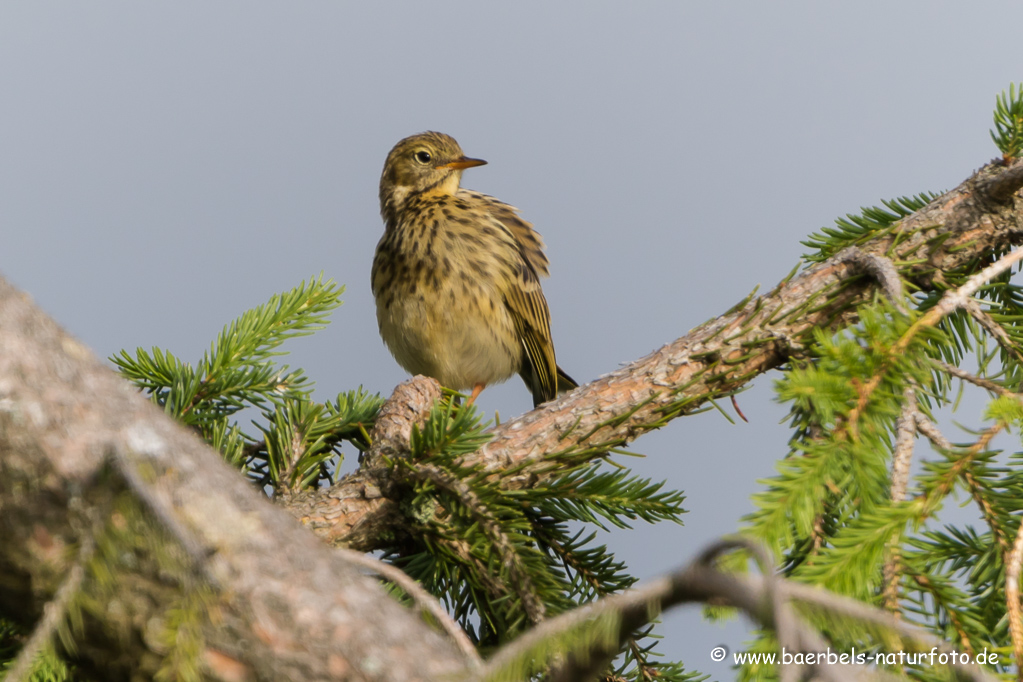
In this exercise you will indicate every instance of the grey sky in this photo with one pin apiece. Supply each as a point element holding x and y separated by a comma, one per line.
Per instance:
<point>166,165</point>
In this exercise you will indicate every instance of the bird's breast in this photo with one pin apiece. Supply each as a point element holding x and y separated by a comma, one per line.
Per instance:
<point>438,278</point>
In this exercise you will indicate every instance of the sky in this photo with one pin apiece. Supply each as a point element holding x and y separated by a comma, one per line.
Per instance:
<point>165,166</point>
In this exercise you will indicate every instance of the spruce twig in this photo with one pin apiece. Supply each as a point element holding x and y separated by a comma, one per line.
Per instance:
<point>950,302</point>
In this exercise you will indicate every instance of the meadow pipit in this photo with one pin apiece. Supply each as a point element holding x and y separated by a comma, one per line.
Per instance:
<point>457,277</point>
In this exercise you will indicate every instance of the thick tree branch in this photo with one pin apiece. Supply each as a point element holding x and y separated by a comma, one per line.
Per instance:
<point>961,227</point>
<point>278,604</point>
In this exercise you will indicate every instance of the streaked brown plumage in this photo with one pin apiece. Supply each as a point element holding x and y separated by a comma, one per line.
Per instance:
<point>456,276</point>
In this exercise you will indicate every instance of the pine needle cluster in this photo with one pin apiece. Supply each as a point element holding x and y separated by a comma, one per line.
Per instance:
<point>298,443</point>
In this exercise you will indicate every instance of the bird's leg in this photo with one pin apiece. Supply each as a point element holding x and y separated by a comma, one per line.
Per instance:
<point>476,390</point>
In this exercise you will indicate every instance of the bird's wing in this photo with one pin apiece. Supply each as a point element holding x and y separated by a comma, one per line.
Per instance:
<point>523,296</point>
<point>528,308</point>
<point>529,241</point>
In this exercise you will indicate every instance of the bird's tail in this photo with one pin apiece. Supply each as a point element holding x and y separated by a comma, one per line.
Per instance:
<point>565,382</point>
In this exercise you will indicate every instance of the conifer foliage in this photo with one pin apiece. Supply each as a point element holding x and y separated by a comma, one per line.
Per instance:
<point>875,462</point>
<point>860,504</point>
<point>500,560</point>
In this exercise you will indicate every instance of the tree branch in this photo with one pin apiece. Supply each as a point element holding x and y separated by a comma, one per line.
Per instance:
<point>902,457</point>
<point>984,319</point>
<point>762,598</point>
<point>715,359</point>
<point>288,606</point>
<point>360,509</point>
<point>1002,186</point>
<point>930,430</point>
<point>1012,599</point>
<point>423,600</point>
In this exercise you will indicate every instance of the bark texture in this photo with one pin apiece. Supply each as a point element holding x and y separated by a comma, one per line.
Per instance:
<point>272,600</point>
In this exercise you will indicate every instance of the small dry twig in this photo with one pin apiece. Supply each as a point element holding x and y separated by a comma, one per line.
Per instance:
<point>988,324</point>
<point>902,457</point>
<point>423,600</point>
<point>1012,572</point>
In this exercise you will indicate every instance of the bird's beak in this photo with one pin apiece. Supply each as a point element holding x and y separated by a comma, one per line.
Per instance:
<point>463,163</point>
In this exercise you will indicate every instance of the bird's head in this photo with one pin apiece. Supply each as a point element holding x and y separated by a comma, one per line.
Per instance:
<point>422,162</point>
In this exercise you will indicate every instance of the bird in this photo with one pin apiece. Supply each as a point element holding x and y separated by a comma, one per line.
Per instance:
<point>456,277</point>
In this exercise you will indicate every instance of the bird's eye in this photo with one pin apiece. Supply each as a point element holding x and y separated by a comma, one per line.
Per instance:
<point>423,156</point>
